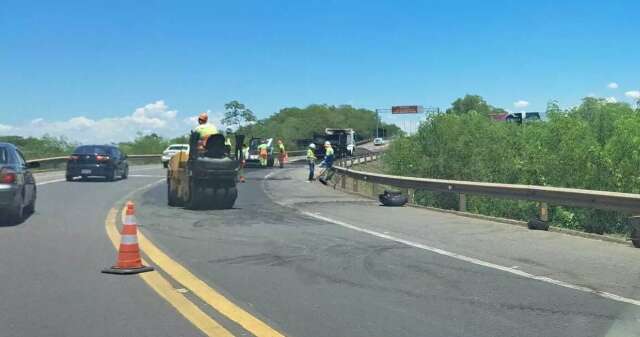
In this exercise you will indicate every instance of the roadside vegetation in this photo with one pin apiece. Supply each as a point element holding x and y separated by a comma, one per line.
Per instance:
<point>595,145</point>
<point>291,124</point>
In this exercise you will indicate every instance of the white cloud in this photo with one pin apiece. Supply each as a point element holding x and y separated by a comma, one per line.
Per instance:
<point>613,85</point>
<point>154,117</point>
<point>611,100</point>
<point>521,104</point>
<point>635,94</point>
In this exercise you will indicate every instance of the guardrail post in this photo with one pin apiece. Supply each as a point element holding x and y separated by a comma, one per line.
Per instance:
<point>634,221</point>
<point>373,189</point>
<point>355,185</point>
<point>411,195</point>
<point>343,181</point>
<point>544,212</point>
<point>462,202</point>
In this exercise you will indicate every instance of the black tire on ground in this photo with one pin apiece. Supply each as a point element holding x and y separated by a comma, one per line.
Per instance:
<point>165,164</point>
<point>69,178</point>
<point>270,162</point>
<point>125,174</point>
<point>389,199</point>
<point>537,224</point>
<point>84,178</point>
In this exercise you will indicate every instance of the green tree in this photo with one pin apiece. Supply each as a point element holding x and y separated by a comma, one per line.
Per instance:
<point>236,114</point>
<point>595,145</point>
<point>470,103</point>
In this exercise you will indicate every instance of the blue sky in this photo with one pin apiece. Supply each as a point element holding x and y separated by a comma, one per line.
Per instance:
<point>72,64</point>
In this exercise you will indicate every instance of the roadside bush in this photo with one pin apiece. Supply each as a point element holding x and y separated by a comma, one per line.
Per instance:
<point>592,146</point>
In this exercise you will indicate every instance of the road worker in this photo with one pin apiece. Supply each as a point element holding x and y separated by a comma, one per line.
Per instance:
<point>243,161</point>
<point>205,130</point>
<point>311,160</point>
<point>227,143</point>
<point>327,163</point>
<point>282,153</point>
<point>263,151</point>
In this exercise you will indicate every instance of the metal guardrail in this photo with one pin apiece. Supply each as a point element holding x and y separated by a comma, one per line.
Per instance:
<point>613,201</point>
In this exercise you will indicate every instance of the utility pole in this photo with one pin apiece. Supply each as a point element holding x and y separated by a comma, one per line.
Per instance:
<point>377,122</point>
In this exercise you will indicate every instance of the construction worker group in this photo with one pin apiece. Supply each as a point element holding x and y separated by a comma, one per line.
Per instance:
<point>206,129</point>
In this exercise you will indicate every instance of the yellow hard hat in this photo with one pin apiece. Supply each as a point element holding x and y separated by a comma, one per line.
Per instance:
<point>203,118</point>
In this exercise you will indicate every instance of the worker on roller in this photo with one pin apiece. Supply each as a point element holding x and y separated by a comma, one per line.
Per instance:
<point>311,161</point>
<point>263,152</point>
<point>282,153</point>
<point>204,130</point>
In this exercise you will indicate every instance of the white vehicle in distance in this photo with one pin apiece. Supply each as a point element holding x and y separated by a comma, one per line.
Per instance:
<point>378,141</point>
<point>170,151</point>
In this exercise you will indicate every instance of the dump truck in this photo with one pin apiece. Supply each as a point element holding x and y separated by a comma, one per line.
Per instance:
<point>204,177</point>
<point>254,152</point>
<point>342,141</point>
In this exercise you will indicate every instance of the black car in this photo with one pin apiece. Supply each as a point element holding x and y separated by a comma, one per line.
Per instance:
<point>97,161</point>
<point>17,185</point>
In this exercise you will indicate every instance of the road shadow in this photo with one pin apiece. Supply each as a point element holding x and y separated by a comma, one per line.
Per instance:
<point>6,223</point>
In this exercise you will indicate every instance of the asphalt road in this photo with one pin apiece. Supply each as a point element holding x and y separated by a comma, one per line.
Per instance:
<point>50,280</point>
<point>308,277</point>
<point>306,261</point>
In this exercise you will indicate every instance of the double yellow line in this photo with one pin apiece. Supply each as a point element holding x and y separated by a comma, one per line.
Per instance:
<point>198,287</point>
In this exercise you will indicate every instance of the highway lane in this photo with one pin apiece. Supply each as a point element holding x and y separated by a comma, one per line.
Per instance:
<point>50,280</point>
<point>308,277</point>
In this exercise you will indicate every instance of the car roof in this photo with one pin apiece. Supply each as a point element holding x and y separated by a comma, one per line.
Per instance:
<point>8,145</point>
<point>103,145</point>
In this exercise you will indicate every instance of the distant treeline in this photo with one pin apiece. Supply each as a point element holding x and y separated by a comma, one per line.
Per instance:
<point>595,145</point>
<point>290,124</point>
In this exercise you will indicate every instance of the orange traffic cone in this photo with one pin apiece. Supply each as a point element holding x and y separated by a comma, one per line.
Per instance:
<point>129,260</point>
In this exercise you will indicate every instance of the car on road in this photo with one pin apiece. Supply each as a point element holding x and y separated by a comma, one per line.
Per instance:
<point>97,161</point>
<point>17,185</point>
<point>172,150</point>
<point>378,141</point>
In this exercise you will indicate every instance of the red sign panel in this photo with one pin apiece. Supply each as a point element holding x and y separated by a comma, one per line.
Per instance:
<point>406,109</point>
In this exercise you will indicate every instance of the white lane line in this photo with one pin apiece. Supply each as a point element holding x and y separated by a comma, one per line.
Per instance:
<point>50,182</point>
<point>146,176</point>
<point>475,261</point>
<point>511,270</point>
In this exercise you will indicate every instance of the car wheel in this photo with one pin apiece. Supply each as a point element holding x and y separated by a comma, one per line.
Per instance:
<point>16,215</point>
<point>125,175</point>
<point>69,178</point>
<point>165,164</point>
<point>31,207</point>
<point>112,175</point>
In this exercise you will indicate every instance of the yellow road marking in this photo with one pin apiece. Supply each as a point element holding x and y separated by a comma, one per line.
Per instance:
<point>198,287</point>
<point>160,284</point>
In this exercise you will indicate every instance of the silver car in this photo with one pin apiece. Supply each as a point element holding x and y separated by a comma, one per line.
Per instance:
<point>171,150</point>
